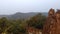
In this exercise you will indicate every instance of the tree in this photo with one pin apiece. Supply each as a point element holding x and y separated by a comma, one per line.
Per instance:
<point>37,21</point>
<point>3,25</point>
<point>17,27</point>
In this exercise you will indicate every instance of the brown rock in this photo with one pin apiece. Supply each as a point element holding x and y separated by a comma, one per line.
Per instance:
<point>50,25</point>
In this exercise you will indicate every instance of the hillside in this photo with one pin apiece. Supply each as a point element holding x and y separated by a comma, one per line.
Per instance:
<point>19,15</point>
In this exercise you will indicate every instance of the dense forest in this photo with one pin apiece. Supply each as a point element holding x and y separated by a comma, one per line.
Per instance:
<point>18,26</point>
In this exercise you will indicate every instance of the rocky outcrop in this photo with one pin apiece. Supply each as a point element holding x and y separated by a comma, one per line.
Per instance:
<point>52,25</point>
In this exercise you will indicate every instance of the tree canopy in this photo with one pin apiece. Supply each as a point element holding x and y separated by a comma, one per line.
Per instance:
<point>19,26</point>
<point>37,21</point>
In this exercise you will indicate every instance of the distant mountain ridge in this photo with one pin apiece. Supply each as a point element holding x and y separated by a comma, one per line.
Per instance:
<point>19,15</point>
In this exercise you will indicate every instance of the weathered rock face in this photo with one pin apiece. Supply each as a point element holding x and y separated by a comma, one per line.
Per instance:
<point>52,25</point>
<point>58,21</point>
<point>31,30</point>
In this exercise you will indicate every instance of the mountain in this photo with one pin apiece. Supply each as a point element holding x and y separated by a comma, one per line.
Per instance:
<point>45,13</point>
<point>19,15</point>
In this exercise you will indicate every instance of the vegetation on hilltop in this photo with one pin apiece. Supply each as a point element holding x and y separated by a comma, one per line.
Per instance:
<point>19,26</point>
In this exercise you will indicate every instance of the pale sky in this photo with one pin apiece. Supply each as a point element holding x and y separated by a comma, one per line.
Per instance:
<point>13,6</point>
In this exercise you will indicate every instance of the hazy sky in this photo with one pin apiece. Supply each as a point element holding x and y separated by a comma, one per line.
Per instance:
<point>13,6</point>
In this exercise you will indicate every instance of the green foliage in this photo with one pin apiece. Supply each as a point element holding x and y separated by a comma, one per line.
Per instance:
<point>37,21</point>
<point>11,26</point>
<point>19,26</point>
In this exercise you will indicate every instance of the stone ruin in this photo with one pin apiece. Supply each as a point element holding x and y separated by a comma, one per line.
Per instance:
<point>52,25</point>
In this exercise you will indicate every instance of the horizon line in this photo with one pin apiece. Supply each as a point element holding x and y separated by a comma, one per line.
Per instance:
<point>22,12</point>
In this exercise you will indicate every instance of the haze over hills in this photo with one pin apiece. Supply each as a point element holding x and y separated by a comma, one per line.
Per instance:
<point>20,15</point>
